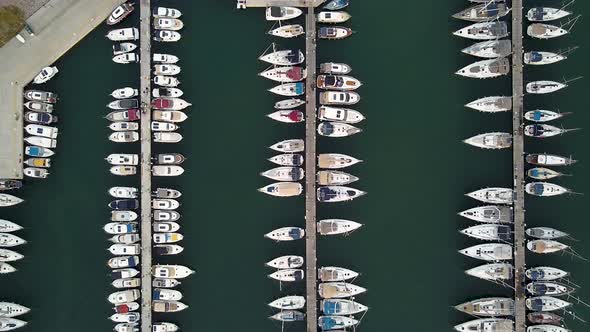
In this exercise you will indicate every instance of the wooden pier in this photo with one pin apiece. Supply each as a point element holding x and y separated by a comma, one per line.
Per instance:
<point>243,4</point>
<point>146,167</point>
<point>518,164</point>
<point>310,171</point>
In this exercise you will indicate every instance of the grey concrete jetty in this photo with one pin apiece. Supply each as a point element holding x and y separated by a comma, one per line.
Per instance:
<point>243,4</point>
<point>145,40</point>
<point>518,164</point>
<point>64,23</point>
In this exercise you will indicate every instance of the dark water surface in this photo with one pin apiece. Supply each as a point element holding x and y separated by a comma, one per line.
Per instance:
<point>416,171</point>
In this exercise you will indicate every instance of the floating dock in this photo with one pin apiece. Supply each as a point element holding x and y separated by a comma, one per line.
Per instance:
<point>518,164</point>
<point>310,170</point>
<point>57,27</point>
<point>243,4</point>
<point>146,166</point>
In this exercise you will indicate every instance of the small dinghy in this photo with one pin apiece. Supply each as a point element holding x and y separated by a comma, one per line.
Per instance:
<point>124,93</point>
<point>542,58</point>
<point>122,159</point>
<point>338,82</point>
<point>545,31</point>
<point>287,31</point>
<point>166,12</point>
<point>34,172</point>
<point>167,36</point>
<point>492,272</point>
<point>122,48</point>
<point>10,240</point>
<point>10,184</point>
<point>336,4</point>
<point>38,106</point>
<point>491,104</point>
<point>290,145</point>
<point>545,189</point>
<point>337,226</point>
<point>493,195</point>
<point>123,215</point>
<point>163,126</point>
<point>282,13</point>
<point>168,306</point>
<point>546,303</point>
<point>287,116</point>
<point>486,324</point>
<point>170,104</point>
<point>166,69</point>
<point>334,273</point>
<point>123,34</point>
<point>289,89</point>
<point>40,118</point>
<point>161,215</point>
<point>38,151</point>
<point>486,69</point>
<point>339,98</point>
<point>167,92</point>
<point>485,12</point>
<point>169,116</point>
<point>8,226</point>
<point>288,303</point>
<point>45,75</point>
<point>172,24</point>
<point>490,49</point>
<point>491,141</point>
<point>328,323</point>
<point>541,130</point>
<point>341,307</point>
<point>285,173</point>
<point>489,252</point>
<point>334,178</point>
<point>165,227</point>
<point>126,238</point>
<point>333,194</point>
<point>123,192</point>
<point>167,137</point>
<point>542,173</point>
<point>543,115</point>
<point>548,288</point>
<point>124,204</point>
<point>38,162</point>
<point>335,290</point>
<point>286,234</point>
<point>165,283</point>
<point>489,232</point>
<point>546,14</point>
<point>282,189</point>
<point>543,87</point>
<point>286,262</point>
<point>126,58</point>
<point>285,74</point>
<point>287,159</point>
<point>336,160</point>
<point>166,295</point>
<point>288,316</point>
<point>337,129</point>
<point>158,170</point>
<point>545,246</point>
<point>495,214</point>
<point>333,17</point>
<point>124,262</point>
<point>166,81</point>
<point>544,159</point>
<point>334,33</point>
<point>120,13</point>
<point>40,130</point>
<point>123,104</point>
<point>128,115</point>
<point>288,275</point>
<point>124,136</point>
<point>119,249</point>
<point>545,318</point>
<point>283,57</point>
<point>41,141</point>
<point>165,58</point>
<point>166,193</point>
<point>123,170</point>
<point>345,115</point>
<point>332,68</point>
<point>545,273</point>
<point>171,271</point>
<point>169,159</point>
<point>488,307</point>
<point>484,31</point>
<point>165,204</point>
<point>9,200</point>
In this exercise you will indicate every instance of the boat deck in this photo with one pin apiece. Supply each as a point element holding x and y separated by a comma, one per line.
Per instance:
<point>146,175</point>
<point>54,36</point>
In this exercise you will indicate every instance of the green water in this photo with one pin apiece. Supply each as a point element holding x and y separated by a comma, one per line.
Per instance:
<point>416,171</point>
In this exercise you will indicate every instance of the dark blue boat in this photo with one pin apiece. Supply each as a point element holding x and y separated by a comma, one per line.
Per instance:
<point>124,204</point>
<point>337,4</point>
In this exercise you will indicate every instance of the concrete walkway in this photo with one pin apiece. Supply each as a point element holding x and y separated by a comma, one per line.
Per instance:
<point>58,26</point>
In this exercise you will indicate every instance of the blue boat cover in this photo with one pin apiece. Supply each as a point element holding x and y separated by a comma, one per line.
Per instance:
<point>540,289</point>
<point>536,56</point>
<point>156,294</point>
<point>35,151</point>
<point>536,305</point>
<point>328,323</point>
<point>299,88</point>
<point>538,188</point>
<point>537,13</point>
<point>537,274</point>
<point>537,115</point>
<point>332,308</point>
<point>535,172</point>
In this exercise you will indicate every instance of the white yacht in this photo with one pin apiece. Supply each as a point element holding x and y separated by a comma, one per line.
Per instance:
<point>284,173</point>
<point>493,195</point>
<point>345,115</point>
<point>122,159</point>
<point>166,81</point>
<point>494,141</point>
<point>37,151</point>
<point>545,14</point>
<point>486,68</point>
<point>328,323</point>
<point>126,58</point>
<point>166,193</point>
<point>286,262</point>
<point>122,48</point>
<point>545,31</point>
<point>7,255</point>
<point>166,12</point>
<point>484,31</point>
<point>9,200</point>
<point>332,194</point>
<point>129,238</point>
<point>489,214</point>
<point>7,324</point>
<point>487,325</point>
<point>334,68</point>
<point>168,249</point>
<point>123,192</point>
<point>165,204</point>
<point>542,58</point>
<point>334,273</point>
<point>489,252</point>
<point>124,93</point>
<point>121,262</point>
<point>545,233</point>
<point>163,126</point>
<point>41,141</point>
<point>288,303</point>
<point>171,271</point>
<point>289,146</point>
<point>286,234</point>
<point>287,159</point>
<point>41,130</point>
<point>167,137</point>
<point>38,106</point>
<point>488,307</point>
<point>165,283</point>
<point>129,317</point>
<point>121,227</point>
<point>123,34</point>
<point>9,310</point>
<point>287,31</point>
<point>45,75</point>
<point>167,92</point>
<point>283,57</point>
<point>125,296</point>
<point>489,232</point>
<point>341,307</point>
<point>339,98</point>
<point>334,178</point>
<point>545,159</point>
<point>124,273</point>
<point>490,49</point>
<point>546,303</point>
<point>120,249</point>
<point>160,170</point>
<point>334,290</point>
<point>166,69</point>
<point>336,160</point>
<point>35,172</point>
<point>546,246</point>
<point>8,226</point>
<point>172,24</point>
<point>10,240</point>
<point>160,215</point>
<point>494,272</point>
<point>337,129</point>
<point>288,275</point>
<point>167,237</point>
<point>545,273</point>
<point>119,215</point>
<point>169,116</point>
<point>166,294</point>
<point>282,13</point>
<point>126,283</point>
<point>167,36</point>
<point>337,226</point>
<point>333,17</point>
<point>124,136</point>
<point>546,328</point>
<point>165,58</point>
<point>168,306</point>
<point>282,189</point>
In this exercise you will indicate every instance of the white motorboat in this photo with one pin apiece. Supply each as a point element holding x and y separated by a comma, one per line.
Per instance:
<point>489,232</point>
<point>120,249</point>
<point>165,283</point>
<point>545,31</point>
<point>334,178</point>
<point>9,200</point>
<point>166,294</point>
<point>172,24</point>
<point>121,215</point>
<point>37,151</point>
<point>126,283</point>
<point>493,195</point>
<point>126,327</point>
<point>544,159</point>
<point>333,194</point>
<point>489,214</point>
<point>122,48</point>
<point>486,68</point>
<point>169,104</point>
<point>545,233</point>
<point>282,13</point>
<point>484,31</point>
<point>287,31</point>
<point>123,34</point>
<point>492,271</point>
<point>38,106</point>
<point>289,89</point>
<point>285,74</point>
<point>546,246</point>
<point>126,58</point>
<point>328,323</point>
<point>487,324</point>
<point>488,307</point>
<point>125,93</point>
<point>339,98</point>
<point>287,159</point>
<point>336,160</point>
<point>10,240</point>
<point>286,234</point>
<point>122,159</point>
<point>124,136</point>
<point>286,262</point>
<point>167,137</point>
<point>163,126</point>
<point>546,303</point>
<point>545,189</point>
<point>334,273</point>
<point>337,226</point>
<point>166,81</point>
<point>127,115</point>
<point>490,49</point>
<point>489,252</point>
<point>41,96</point>
<point>167,36</point>
<point>117,228</point>
<point>288,275</point>
<point>166,193</point>
<point>45,75</point>
<point>545,273</point>
<point>543,115</point>
<point>36,172</point>
<point>8,226</point>
<point>123,104</point>
<point>123,192</point>
<point>129,238</point>
<point>123,262</point>
<point>338,82</point>
<point>161,170</point>
<point>345,115</point>
<point>171,271</point>
<point>123,170</point>
<point>337,129</point>
<point>336,290</point>
<point>165,227</point>
<point>166,12</point>
<point>41,130</point>
<point>284,173</point>
<point>166,69</point>
<point>167,92</point>
<point>334,33</point>
<point>283,57</point>
<point>128,317</point>
<point>494,141</point>
<point>341,307</point>
<point>282,189</point>
<point>546,14</point>
<point>165,204</point>
<point>333,17</point>
<point>41,141</point>
<point>7,324</point>
<point>161,215</point>
<point>291,302</point>
<point>125,296</point>
<point>542,58</point>
<point>169,116</point>
<point>6,268</point>
<point>165,58</point>
<point>333,68</point>
<point>168,306</point>
<point>289,146</point>
<point>9,310</point>
<point>120,13</point>
<point>287,116</point>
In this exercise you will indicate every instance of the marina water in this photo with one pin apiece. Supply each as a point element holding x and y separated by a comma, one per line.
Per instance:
<point>416,171</point>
